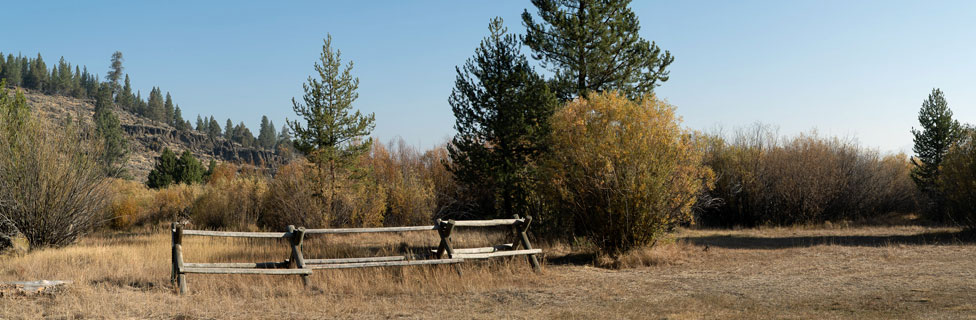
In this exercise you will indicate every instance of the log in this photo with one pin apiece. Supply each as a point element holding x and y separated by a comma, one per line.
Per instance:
<point>369,230</point>
<point>248,271</point>
<point>486,223</point>
<point>236,234</point>
<point>354,260</point>
<point>264,265</point>
<point>497,254</point>
<point>501,247</point>
<point>386,264</point>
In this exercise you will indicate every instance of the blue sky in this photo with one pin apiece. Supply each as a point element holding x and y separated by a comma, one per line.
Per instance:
<point>849,68</point>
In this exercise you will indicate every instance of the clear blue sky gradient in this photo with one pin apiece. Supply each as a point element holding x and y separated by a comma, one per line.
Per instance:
<point>847,68</point>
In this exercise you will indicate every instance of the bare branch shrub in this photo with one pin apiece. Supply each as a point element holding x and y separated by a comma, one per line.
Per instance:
<point>51,184</point>
<point>765,179</point>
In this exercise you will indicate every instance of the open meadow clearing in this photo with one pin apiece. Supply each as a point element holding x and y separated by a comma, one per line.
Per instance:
<point>861,272</point>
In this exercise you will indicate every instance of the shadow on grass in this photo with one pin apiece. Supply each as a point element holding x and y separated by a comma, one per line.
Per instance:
<point>748,242</point>
<point>576,259</point>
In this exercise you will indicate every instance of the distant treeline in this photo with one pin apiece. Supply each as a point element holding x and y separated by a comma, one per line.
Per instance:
<point>76,81</point>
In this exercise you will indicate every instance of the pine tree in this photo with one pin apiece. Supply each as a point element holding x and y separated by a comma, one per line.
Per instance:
<point>169,111</point>
<point>189,170</point>
<point>115,71</point>
<point>284,139</point>
<point>333,136</point>
<point>201,126</point>
<point>213,128</point>
<point>267,137</point>
<point>12,71</point>
<point>164,172</point>
<point>502,108</point>
<point>229,130</point>
<point>36,77</point>
<point>156,106</point>
<point>178,121</point>
<point>594,45</point>
<point>939,131</point>
<point>109,129</point>
<point>125,98</point>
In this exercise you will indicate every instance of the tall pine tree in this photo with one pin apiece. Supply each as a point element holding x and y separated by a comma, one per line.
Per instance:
<point>169,111</point>
<point>502,109</point>
<point>333,135</point>
<point>939,131</point>
<point>267,137</point>
<point>115,70</point>
<point>156,106</point>
<point>109,129</point>
<point>594,45</point>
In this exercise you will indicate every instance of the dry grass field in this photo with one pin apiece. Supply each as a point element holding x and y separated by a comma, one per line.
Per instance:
<point>798,273</point>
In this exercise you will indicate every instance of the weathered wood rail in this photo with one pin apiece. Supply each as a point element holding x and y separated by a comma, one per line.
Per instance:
<point>296,264</point>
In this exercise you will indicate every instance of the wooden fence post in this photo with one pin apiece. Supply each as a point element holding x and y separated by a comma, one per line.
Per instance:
<point>172,276</point>
<point>522,228</point>
<point>444,229</point>
<point>515,234</point>
<point>297,259</point>
<point>178,258</point>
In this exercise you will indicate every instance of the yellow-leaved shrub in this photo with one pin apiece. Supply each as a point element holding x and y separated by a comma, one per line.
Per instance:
<point>624,172</point>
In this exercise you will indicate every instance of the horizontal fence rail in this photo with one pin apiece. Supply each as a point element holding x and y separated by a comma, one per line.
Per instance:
<point>296,264</point>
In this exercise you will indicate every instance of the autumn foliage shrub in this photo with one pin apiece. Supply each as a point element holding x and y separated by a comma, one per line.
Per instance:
<point>131,203</point>
<point>958,180</point>
<point>409,192</point>
<point>294,199</point>
<point>766,179</point>
<point>231,200</point>
<point>623,172</point>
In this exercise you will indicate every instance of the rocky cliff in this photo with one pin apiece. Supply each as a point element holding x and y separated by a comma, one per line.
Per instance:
<point>148,138</point>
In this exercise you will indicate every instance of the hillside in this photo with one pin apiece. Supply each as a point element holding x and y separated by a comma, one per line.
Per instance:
<point>147,138</point>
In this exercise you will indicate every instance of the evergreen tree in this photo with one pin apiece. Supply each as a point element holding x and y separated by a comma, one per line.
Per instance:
<point>210,170</point>
<point>63,83</point>
<point>125,98</point>
<point>333,135</point>
<point>284,139</point>
<point>201,126</point>
<point>189,169</point>
<point>37,74</point>
<point>502,108</point>
<point>77,90</point>
<point>229,130</point>
<point>267,137</point>
<point>172,170</point>
<point>178,121</point>
<point>594,45</point>
<point>939,131</point>
<point>169,111</point>
<point>156,107</point>
<point>165,171</point>
<point>115,71</point>
<point>213,128</point>
<point>109,129</point>
<point>12,71</point>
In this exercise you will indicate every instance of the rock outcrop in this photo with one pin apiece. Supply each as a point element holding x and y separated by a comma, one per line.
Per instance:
<point>148,138</point>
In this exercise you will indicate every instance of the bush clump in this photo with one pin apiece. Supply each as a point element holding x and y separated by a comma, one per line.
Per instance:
<point>958,180</point>
<point>52,187</point>
<point>623,172</point>
<point>763,179</point>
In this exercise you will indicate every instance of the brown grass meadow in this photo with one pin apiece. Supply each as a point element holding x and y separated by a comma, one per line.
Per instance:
<point>770,273</point>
